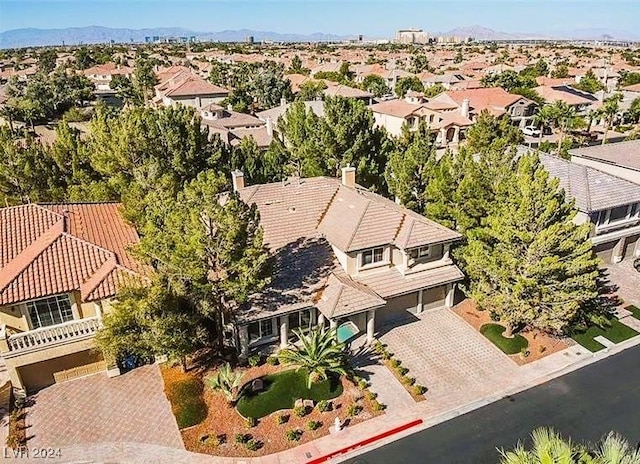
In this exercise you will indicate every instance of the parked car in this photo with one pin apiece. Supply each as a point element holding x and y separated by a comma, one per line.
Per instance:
<point>589,136</point>
<point>533,131</point>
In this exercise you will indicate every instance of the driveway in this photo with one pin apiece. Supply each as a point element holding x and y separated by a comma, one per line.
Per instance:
<point>98,409</point>
<point>627,279</point>
<point>449,357</point>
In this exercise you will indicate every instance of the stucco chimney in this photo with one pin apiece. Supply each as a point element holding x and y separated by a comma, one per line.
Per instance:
<point>269,124</point>
<point>464,108</point>
<point>349,177</point>
<point>237,177</point>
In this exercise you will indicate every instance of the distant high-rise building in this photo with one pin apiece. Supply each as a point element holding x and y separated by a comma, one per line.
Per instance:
<point>250,39</point>
<point>412,36</point>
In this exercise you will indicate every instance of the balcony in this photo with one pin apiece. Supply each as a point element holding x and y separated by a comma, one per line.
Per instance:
<point>47,337</point>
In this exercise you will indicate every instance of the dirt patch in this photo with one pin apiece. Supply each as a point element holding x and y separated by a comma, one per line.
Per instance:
<point>216,434</point>
<point>540,343</point>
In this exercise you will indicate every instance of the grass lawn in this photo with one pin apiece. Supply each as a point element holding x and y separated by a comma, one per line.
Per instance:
<point>185,395</point>
<point>508,345</point>
<point>281,390</point>
<point>635,311</point>
<point>617,332</point>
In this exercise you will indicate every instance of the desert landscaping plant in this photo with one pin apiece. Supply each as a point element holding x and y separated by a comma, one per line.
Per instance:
<point>319,352</point>
<point>293,434</point>
<point>324,406</point>
<point>227,381</point>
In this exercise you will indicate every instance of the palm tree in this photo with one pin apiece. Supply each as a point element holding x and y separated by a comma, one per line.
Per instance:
<point>608,111</point>
<point>615,450</point>
<point>319,352</point>
<point>548,447</point>
<point>544,118</point>
<point>227,381</point>
<point>564,118</point>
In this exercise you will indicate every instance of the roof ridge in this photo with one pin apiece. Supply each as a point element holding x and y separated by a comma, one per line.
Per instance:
<point>103,271</point>
<point>586,186</point>
<point>327,206</point>
<point>23,259</point>
<point>357,227</point>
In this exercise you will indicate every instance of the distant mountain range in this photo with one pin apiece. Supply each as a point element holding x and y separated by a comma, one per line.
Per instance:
<point>97,34</point>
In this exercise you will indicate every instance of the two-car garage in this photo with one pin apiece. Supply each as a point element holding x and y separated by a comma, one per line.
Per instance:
<point>404,306</point>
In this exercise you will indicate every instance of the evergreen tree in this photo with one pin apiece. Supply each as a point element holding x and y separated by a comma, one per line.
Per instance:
<point>491,132</point>
<point>530,263</point>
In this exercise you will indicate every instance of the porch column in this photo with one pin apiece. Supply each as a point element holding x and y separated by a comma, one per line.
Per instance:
<point>419,307</point>
<point>448,301</point>
<point>284,331</point>
<point>98,309</point>
<point>371,326</point>
<point>456,135</point>
<point>618,251</point>
<point>636,250</point>
<point>321,319</point>
<point>243,335</point>
<point>333,323</point>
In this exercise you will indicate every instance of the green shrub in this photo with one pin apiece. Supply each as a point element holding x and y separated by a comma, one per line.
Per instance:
<point>386,355</point>
<point>402,370</point>
<point>243,437</point>
<point>324,406</point>
<point>379,348</point>
<point>376,405</point>
<point>371,396</point>
<point>293,435</point>
<point>409,381</point>
<point>251,422</point>
<point>395,362</point>
<point>313,425</point>
<point>300,411</point>
<point>419,389</point>
<point>362,384</point>
<point>253,445</point>
<point>495,317</point>
<point>353,410</point>
<point>254,360</point>
<point>282,419</point>
<point>273,360</point>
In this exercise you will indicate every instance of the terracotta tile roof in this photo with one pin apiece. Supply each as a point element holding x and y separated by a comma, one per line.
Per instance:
<point>110,69</point>
<point>333,90</point>
<point>399,108</point>
<point>484,98</point>
<point>233,119</point>
<point>342,296</point>
<point>52,249</point>
<point>566,94</point>
<point>194,85</point>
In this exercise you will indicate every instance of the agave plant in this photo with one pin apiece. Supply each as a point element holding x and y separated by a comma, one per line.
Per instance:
<point>319,353</point>
<point>227,381</point>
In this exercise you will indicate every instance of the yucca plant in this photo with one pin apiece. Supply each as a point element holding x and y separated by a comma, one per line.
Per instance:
<point>227,381</point>
<point>548,446</point>
<point>319,353</point>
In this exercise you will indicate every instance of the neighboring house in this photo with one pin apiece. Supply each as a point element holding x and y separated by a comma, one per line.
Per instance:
<point>390,76</point>
<point>339,90</point>
<point>495,100</point>
<point>445,120</point>
<point>578,99</point>
<point>180,85</point>
<point>233,126</point>
<point>610,203</point>
<point>620,159</point>
<point>448,80</point>
<point>60,267</point>
<point>344,256</point>
<point>102,74</point>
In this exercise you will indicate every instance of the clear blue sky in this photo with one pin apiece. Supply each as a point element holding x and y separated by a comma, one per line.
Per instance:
<point>377,18</point>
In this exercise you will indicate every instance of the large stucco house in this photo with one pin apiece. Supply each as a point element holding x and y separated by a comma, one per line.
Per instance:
<point>344,257</point>
<point>60,266</point>
<point>610,203</point>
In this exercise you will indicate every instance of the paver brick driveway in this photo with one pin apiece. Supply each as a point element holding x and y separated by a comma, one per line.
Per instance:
<point>448,356</point>
<point>98,409</point>
<point>627,279</point>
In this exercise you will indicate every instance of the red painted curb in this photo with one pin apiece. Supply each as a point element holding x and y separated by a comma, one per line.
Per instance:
<point>365,442</point>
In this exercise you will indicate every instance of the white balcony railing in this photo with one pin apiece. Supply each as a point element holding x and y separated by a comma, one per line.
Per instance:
<point>45,337</point>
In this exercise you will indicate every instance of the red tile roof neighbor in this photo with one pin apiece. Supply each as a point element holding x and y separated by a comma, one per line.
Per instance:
<point>51,249</point>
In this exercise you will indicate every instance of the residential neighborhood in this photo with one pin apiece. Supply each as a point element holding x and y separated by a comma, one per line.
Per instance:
<point>249,247</point>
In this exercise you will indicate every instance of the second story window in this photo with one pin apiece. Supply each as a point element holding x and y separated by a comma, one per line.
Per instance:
<point>375,255</point>
<point>50,311</point>
<point>422,252</point>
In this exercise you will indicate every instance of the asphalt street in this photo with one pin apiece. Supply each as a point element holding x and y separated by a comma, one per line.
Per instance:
<point>584,405</point>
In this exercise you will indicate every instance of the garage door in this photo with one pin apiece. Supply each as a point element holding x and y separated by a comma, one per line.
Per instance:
<point>398,308</point>
<point>631,243</point>
<point>45,373</point>
<point>604,251</point>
